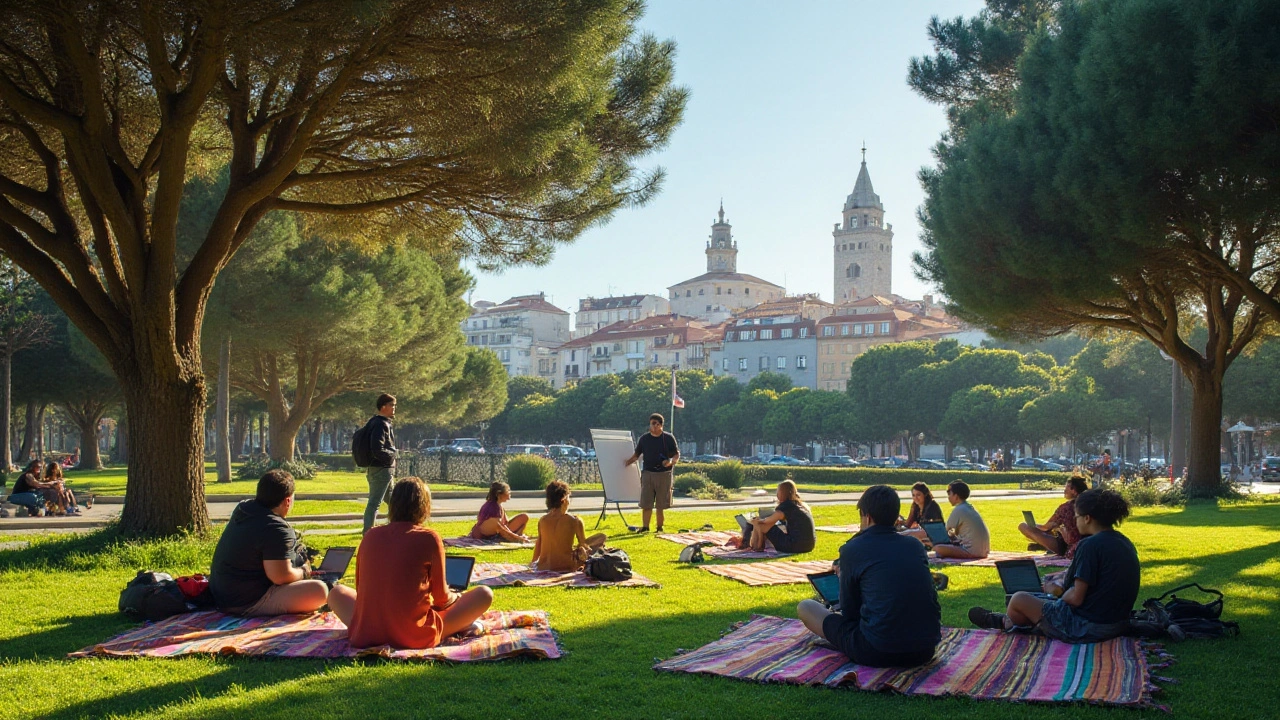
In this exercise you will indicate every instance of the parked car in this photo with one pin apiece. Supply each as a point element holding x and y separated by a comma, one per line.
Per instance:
<point>882,462</point>
<point>966,465</point>
<point>1155,463</point>
<point>709,458</point>
<point>838,461</point>
<point>570,452</point>
<point>1270,468</point>
<point>465,446</point>
<point>924,464</point>
<point>1028,463</point>
<point>786,460</point>
<point>591,454</point>
<point>527,450</point>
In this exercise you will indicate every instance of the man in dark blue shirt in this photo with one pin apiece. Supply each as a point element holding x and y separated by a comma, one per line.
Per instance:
<point>660,453</point>
<point>889,614</point>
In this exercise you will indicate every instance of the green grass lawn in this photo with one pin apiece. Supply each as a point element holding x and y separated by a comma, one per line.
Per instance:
<point>60,595</point>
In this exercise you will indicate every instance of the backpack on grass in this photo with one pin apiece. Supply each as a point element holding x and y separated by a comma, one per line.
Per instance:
<point>693,553</point>
<point>153,596</point>
<point>609,565</point>
<point>360,447</point>
<point>1180,618</point>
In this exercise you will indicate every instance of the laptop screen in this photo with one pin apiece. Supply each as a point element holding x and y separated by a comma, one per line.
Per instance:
<point>937,533</point>
<point>336,560</point>
<point>457,571</point>
<point>742,522</point>
<point>766,510</point>
<point>1029,517</point>
<point>1019,576</point>
<point>827,584</point>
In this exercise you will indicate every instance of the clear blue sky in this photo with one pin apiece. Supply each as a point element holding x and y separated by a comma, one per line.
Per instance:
<point>783,96</point>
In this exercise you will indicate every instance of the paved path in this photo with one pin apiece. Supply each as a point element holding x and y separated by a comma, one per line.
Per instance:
<point>463,506</point>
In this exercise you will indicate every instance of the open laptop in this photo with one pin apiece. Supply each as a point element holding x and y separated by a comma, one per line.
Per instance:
<point>335,564</point>
<point>766,510</point>
<point>937,533</point>
<point>827,586</point>
<point>1030,518</point>
<point>457,571</point>
<point>743,522</point>
<point>1020,576</point>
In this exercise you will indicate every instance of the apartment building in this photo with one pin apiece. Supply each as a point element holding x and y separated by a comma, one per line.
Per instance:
<point>522,330</point>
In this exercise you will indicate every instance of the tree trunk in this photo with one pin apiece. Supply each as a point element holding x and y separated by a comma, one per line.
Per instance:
<point>39,428</point>
<point>1204,473</point>
<point>222,412</point>
<point>237,436</point>
<point>166,430</point>
<point>121,454</point>
<point>314,435</point>
<point>90,458</point>
<point>6,409</point>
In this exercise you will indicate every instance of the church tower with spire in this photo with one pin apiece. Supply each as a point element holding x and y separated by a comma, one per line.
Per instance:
<point>722,251</point>
<point>863,244</point>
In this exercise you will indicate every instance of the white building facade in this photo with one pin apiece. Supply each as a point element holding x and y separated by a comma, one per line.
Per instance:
<point>523,331</point>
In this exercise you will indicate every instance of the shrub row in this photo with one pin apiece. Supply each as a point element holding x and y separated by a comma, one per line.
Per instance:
<point>774,474</point>
<point>332,461</point>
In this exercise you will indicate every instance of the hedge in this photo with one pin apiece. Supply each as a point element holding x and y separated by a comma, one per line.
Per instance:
<point>898,478</point>
<point>332,461</point>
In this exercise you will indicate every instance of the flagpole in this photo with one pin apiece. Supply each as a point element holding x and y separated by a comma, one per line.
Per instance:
<point>673,401</point>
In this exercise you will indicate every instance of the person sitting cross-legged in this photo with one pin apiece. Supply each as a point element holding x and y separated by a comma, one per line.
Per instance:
<point>492,522</point>
<point>557,531</point>
<point>1064,541</point>
<point>1100,587</point>
<point>401,598</point>
<point>889,614</point>
<point>923,507</point>
<point>29,491</point>
<point>258,567</point>
<point>798,537</point>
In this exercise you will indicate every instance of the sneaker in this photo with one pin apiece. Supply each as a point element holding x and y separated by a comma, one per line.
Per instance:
<point>475,629</point>
<point>984,618</point>
<point>644,529</point>
<point>75,511</point>
<point>940,581</point>
<point>659,528</point>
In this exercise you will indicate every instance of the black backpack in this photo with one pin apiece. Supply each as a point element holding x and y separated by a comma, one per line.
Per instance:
<point>153,596</point>
<point>1181,618</point>
<point>609,565</point>
<point>360,451</point>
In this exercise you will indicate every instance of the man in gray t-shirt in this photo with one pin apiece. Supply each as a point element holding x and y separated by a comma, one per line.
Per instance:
<point>965,525</point>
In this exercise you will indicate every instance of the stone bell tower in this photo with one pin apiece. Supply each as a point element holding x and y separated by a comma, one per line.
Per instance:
<point>863,244</point>
<point>722,251</point>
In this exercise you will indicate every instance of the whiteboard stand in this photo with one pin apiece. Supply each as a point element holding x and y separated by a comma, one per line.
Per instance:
<point>621,482</point>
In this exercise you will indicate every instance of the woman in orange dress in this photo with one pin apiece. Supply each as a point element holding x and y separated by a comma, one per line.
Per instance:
<point>401,597</point>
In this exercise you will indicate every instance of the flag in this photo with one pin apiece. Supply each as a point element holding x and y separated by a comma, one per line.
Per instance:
<point>676,400</point>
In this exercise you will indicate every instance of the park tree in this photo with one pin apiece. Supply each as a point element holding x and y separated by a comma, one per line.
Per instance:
<point>1129,185</point>
<point>1252,387</point>
<point>500,130</point>
<point>985,416</point>
<point>578,408</point>
<point>533,419</point>
<point>1126,367</point>
<point>741,423</point>
<point>786,421</point>
<point>21,327</point>
<point>877,388</point>
<point>519,387</point>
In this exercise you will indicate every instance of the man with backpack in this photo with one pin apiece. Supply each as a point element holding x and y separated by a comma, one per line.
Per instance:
<point>374,448</point>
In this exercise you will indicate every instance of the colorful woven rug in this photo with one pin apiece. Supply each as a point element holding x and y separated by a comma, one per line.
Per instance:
<point>770,573</point>
<point>731,553</point>
<point>473,544</point>
<point>840,529</point>
<point>1042,559</point>
<point>981,664</point>
<point>321,635</point>
<point>719,537</point>
<point>509,574</point>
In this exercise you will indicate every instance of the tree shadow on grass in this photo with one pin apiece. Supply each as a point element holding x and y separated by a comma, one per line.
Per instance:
<point>1264,516</point>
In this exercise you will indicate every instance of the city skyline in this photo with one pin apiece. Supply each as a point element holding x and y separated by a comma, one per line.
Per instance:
<point>781,107</point>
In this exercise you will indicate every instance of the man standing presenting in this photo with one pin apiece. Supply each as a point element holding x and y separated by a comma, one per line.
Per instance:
<point>660,454</point>
<point>382,456</point>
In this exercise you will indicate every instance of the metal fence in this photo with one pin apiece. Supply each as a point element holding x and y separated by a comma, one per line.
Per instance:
<point>480,470</point>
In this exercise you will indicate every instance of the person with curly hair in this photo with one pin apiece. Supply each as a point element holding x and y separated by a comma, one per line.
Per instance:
<point>555,548</point>
<point>1095,599</point>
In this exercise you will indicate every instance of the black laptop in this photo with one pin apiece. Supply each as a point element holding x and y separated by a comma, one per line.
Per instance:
<point>937,533</point>
<point>457,571</point>
<point>827,586</point>
<point>1021,576</point>
<point>1030,518</point>
<point>334,566</point>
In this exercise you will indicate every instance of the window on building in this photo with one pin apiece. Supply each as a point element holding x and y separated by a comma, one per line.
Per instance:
<point>844,329</point>
<point>688,293</point>
<point>505,355</point>
<point>728,337</point>
<point>701,291</point>
<point>848,348</point>
<point>802,361</point>
<point>884,328</point>
<point>718,290</point>
<point>853,271</point>
<point>828,331</point>
<point>766,334</point>
<point>655,358</point>
<point>695,351</point>
<point>864,218</point>
<point>764,363</point>
<point>746,291</point>
<point>782,362</point>
<point>724,364</point>
<point>844,368</point>
<point>871,328</point>
<point>857,329</point>
<point>742,363</point>
<point>804,332</point>
<point>784,333</point>
<point>677,358</point>
<point>730,291</point>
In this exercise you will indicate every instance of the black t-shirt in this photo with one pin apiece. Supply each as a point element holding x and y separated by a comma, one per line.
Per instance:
<point>932,513</point>
<point>886,588</point>
<point>799,526</point>
<point>24,484</point>
<point>253,534</point>
<point>1109,564</point>
<point>656,449</point>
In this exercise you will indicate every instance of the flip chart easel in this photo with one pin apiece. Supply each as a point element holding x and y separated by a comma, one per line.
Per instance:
<point>621,481</point>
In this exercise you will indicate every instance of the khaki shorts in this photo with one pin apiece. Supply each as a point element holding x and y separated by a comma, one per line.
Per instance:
<point>655,488</point>
<point>272,603</point>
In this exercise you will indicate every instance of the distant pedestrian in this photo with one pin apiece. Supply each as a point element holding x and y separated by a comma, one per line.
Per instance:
<point>382,456</point>
<point>660,453</point>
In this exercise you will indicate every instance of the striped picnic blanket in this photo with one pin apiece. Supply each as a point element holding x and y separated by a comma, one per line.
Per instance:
<point>321,635</point>
<point>1042,559</point>
<point>786,572</point>
<point>473,544</point>
<point>731,553</point>
<point>719,537</point>
<point>508,574</point>
<point>840,529</point>
<point>980,664</point>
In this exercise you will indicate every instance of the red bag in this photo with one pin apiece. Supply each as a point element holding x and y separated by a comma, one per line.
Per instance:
<point>193,586</point>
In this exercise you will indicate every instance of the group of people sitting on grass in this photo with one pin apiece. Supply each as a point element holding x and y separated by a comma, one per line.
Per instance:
<point>49,494</point>
<point>888,613</point>
<point>400,597</point>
